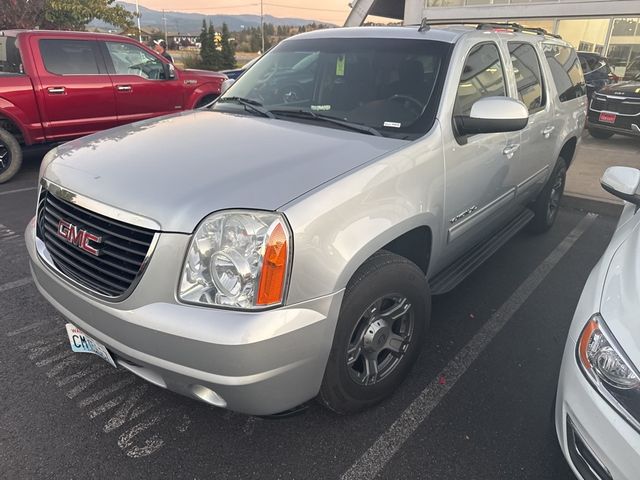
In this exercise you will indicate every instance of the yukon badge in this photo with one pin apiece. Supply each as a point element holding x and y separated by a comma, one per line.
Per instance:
<point>79,237</point>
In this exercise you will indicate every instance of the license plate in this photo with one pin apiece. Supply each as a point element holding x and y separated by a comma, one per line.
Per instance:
<point>608,117</point>
<point>82,343</point>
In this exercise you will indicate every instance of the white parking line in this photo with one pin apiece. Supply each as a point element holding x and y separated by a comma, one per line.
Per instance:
<point>18,190</point>
<point>15,284</point>
<point>377,456</point>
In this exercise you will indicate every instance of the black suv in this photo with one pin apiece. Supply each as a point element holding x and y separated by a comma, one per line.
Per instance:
<point>597,71</point>
<point>615,109</point>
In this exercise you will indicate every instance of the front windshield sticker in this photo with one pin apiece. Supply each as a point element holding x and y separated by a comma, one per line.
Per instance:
<point>321,108</point>
<point>392,124</point>
<point>340,66</point>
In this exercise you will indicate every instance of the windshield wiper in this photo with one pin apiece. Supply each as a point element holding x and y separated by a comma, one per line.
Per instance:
<point>249,104</point>
<point>358,127</point>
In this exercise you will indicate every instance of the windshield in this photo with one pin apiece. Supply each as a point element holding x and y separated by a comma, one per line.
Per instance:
<point>391,85</point>
<point>10,61</point>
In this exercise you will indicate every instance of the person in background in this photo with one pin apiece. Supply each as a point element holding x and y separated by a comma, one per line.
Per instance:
<point>160,46</point>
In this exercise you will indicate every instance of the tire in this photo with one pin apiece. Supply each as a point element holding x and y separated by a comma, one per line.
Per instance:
<point>347,386</point>
<point>546,206</point>
<point>601,134</point>
<point>10,156</point>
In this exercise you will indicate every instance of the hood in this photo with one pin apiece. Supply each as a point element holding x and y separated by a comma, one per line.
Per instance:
<point>204,75</point>
<point>630,89</point>
<point>180,168</point>
<point>620,305</point>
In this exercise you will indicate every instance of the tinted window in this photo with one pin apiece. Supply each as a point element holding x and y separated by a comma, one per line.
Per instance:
<point>566,71</point>
<point>69,57</point>
<point>10,61</point>
<point>482,76</point>
<point>129,59</point>
<point>392,85</point>
<point>526,69</point>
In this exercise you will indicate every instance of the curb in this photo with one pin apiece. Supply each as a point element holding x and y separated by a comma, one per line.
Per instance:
<point>601,207</point>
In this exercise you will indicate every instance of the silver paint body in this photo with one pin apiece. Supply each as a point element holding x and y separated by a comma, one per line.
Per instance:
<point>345,194</point>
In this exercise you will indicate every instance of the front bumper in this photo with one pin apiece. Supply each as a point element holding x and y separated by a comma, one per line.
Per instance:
<point>595,439</point>
<point>632,131</point>
<point>258,363</point>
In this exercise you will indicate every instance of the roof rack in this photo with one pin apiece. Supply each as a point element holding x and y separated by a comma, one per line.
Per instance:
<point>514,27</point>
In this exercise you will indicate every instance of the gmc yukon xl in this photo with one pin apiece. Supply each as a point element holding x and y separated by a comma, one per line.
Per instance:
<point>318,204</point>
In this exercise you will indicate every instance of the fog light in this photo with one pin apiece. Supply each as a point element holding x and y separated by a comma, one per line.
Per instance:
<point>208,396</point>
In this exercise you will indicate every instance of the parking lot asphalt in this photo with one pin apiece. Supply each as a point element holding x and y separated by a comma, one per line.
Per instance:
<point>477,405</point>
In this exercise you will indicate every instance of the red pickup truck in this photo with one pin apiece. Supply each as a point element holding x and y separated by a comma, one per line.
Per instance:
<point>56,86</point>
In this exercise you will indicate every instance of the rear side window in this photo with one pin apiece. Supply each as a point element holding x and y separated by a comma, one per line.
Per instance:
<point>482,76</point>
<point>70,57</point>
<point>10,61</point>
<point>566,71</point>
<point>526,68</point>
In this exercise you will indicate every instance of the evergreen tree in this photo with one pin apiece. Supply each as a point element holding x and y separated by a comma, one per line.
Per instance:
<point>211,57</point>
<point>228,51</point>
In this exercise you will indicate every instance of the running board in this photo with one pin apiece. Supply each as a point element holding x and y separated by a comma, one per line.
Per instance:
<point>453,275</point>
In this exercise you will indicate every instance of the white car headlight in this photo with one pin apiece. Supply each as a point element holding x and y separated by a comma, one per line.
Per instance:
<point>238,259</point>
<point>609,369</point>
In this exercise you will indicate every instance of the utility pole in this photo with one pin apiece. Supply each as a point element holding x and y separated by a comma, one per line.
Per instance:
<point>138,17</point>
<point>262,23</point>
<point>164,19</point>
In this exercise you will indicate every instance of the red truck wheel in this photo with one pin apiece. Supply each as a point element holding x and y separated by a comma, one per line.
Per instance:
<point>10,156</point>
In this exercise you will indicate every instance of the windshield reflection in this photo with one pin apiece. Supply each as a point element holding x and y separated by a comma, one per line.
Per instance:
<point>387,85</point>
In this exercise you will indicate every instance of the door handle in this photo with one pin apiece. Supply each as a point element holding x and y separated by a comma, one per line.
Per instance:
<point>124,88</point>
<point>56,90</point>
<point>510,150</point>
<point>546,133</point>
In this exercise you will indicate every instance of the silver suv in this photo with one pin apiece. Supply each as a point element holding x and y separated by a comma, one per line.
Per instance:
<point>284,242</point>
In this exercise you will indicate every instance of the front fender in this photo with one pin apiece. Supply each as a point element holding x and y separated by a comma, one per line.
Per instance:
<point>201,91</point>
<point>337,227</point>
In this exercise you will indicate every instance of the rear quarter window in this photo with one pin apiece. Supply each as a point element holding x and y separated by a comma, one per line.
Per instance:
<point>10,61</point>
<point>69,57</point>
<point>565,70</point>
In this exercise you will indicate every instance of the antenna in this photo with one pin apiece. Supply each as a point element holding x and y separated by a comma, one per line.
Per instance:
<point>424,25</point>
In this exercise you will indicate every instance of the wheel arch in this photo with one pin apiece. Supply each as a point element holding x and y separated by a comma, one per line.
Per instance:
<point>568,150</point>
<point>209,89</point>
<point>13,126</point>
<point>408,239</point>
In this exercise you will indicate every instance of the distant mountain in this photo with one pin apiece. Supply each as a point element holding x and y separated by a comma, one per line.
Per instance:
<point>191,23</point>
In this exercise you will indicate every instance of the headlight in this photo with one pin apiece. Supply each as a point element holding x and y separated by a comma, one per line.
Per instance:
<point>609,369</point>
<point>238,259</point>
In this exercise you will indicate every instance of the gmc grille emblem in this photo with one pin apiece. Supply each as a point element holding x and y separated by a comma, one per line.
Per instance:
<point>78,237</point>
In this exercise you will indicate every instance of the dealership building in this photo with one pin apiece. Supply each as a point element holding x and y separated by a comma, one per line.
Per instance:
<point>611,28</point>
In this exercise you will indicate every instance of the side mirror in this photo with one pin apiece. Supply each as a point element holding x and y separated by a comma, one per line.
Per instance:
<point>623,182</point>
<point>169,71</point>
<point>493,115</point>
<point>226,85</point>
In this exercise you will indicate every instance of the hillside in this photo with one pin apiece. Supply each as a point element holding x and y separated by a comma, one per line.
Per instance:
<point>190,23</point>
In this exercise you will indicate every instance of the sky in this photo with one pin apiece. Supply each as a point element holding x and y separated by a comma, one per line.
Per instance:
<point>332,11</point>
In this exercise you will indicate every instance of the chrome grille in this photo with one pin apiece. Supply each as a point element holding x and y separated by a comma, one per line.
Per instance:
<point>123,248</point>
<point>623,107</point>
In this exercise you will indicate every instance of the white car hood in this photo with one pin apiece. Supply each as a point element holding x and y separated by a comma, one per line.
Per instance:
<point>620,303</point>
<point>178,169</point>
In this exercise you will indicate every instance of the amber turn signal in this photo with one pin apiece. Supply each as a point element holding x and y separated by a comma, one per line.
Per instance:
<point>274,267</point>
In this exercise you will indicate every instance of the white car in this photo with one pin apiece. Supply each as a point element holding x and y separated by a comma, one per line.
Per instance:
<point>598,403</point>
